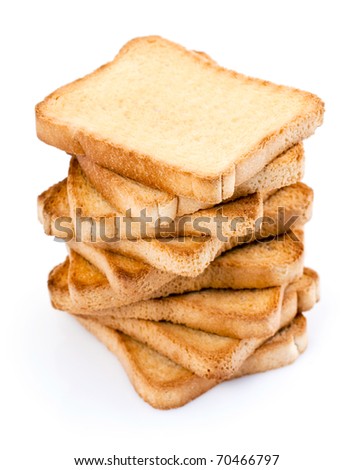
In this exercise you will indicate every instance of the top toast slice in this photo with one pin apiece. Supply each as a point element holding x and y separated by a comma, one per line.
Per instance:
<point>168,118</point>
<point>124,193</point>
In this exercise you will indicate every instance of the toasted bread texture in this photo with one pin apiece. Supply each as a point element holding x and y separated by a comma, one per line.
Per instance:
<point>206,354</point>
<point>225,312</point>
<point>126,194</point>
<point>153,115</point>
<point>267,263</point>
<point>189,256</point>
<point>164,384</point>
<point>240,216</point>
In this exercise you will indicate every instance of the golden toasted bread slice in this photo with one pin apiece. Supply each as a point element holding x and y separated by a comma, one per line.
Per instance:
<point>206,354</point>
<point>124,193</point>
<point>86,203</point>
<point>187,256</point>
<point>164,384</point>
<point>153,115</point>
<point>225,312</point>
<point>267,263</point>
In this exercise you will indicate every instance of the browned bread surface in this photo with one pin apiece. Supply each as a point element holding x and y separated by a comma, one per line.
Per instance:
<point>124,193</point>
<point>189,256</point>
<point>164,384</point>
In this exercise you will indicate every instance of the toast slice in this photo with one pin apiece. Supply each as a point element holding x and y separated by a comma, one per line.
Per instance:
<point>126,194</point>
<point>164,384</point>
<point>168,118</point>
<point>260,264</point>
<point>206,354</point>
<point>187,256</point>
<point>225,312</point>
<point>87,203</point>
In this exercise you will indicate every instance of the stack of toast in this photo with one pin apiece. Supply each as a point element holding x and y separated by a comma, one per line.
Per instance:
<point>183,214</point>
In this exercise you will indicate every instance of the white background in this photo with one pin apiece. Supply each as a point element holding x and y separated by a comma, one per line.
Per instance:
<point>62,393</point>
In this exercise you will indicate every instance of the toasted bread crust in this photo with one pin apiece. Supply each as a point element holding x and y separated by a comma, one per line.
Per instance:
<point>165,385</point>
<point>192,255</point>
<point>123,193</point>
<point>84,197</point>
<point>222,312</point>
<point>272,262</point>
<point>205,354</point>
